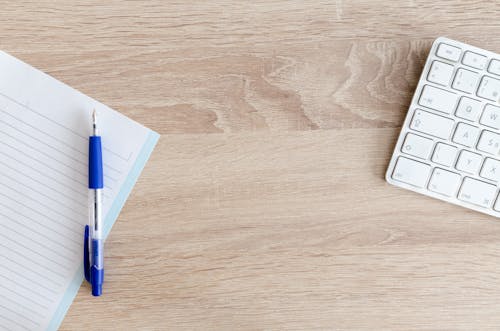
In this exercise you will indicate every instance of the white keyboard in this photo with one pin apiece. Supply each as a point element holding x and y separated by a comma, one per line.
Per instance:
<point>449,146</point>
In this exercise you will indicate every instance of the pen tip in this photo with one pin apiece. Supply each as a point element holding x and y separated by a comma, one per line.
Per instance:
<point>94,117</point>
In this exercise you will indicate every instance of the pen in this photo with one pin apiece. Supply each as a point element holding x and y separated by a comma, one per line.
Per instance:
<point>93,241</point>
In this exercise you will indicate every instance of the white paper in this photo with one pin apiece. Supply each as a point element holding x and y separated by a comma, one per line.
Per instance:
<point>44,129</point>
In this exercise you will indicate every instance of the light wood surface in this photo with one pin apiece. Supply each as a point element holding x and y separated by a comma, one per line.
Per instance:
<point>264,204</point>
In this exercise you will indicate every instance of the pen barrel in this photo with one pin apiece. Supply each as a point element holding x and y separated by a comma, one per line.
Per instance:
<point>95,163</point>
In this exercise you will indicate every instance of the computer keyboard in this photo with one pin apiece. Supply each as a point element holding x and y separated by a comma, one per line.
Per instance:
<point>449,145</point>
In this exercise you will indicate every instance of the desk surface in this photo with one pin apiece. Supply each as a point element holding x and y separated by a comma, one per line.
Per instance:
<point>264,204</point>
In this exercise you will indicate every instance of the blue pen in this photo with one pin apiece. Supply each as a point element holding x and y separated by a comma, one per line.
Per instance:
<point>93,241</point>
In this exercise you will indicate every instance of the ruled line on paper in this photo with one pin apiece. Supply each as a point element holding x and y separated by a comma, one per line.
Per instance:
<point>24,297</point>
<point>41,214</point>
<point>79,202</point>
<point>20,315</point>
<point>37,242</point>
<point>57,242</point>
<point>80,172</point>
<point>40,203</point>
<point>13,322</point>
<point>33,261</point>
<point>49,197</point>
<point>41,224</point>
<point>45,175</point>
<point>61,125</point>
<point>84,154</point>
<point>33,251</point>
<point>20,304</point>
<point>49,280</point>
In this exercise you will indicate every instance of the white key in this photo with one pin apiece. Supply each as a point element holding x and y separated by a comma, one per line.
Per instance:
<point>491,169</point>
<point>448,52</point>
<point>489,89</point>
<point>417,146</point>
<point>444,154</point>
<point>411,172</point>
<point>444,182</point>
<point>440,73</point>
<point>465,81</point>
<point>466,134</point>
<point>474,60</point>
<point>469,109</point>
<point>494,67</point>
<point>497,205</point>
<point>438,99</point>
<point>489,142</point>
<point>491,116</point>
<point>477,192</point>
<point>432,124</point>
<point>468,162</point>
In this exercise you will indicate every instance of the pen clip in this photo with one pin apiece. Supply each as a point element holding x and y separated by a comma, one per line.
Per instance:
<point>86,254</point>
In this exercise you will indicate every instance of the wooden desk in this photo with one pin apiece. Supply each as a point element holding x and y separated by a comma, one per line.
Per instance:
<point>264,204</point>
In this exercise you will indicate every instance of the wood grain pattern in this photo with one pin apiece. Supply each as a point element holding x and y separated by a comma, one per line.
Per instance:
<point>264,205</point>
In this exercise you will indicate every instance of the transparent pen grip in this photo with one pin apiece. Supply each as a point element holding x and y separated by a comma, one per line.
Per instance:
<point>96,227</point>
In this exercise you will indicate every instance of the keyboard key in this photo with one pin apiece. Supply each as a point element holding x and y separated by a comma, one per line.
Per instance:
<point>444,154</point>
<point>411,172</point>
<point>432,124</point>
<point>489,89</point>
<point>491,116</point>
<point>489,142</point>
<point>468,162</point>
<point>477,192</point>
<point>465,81</point>
<point>494,67</point>
<point>448,52</point>
<point>497,205</point>
<point>466,134</point>
<point>491,170</point>
<point>474,60</point>
<point>438,99</point>
<point>444,182</point>
<point>440,73</point>
<point>469,109</point>
<point>417,146</point>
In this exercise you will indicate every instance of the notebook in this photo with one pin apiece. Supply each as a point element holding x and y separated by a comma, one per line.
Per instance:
<point>44,129</point>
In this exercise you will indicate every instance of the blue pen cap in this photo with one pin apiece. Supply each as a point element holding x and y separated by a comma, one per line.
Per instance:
<point>97,278</point>
<point>95,163</point>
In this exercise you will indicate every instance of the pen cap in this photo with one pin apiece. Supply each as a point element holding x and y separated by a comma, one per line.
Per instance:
<point>95,163</point>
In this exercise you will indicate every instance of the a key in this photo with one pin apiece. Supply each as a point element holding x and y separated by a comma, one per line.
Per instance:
<point>411,172</point>
<point>469,109</point>
<point>477,192</point>
<point>465,81</point>
<point>466,134</point>
<point>444,182</point>
<point>438,99</point>
<point>440,73</point>
<point>489,142</point>
<point>448,52</point>
<point>489,89</point>
<point>474,60</point>
<point>494,67</point>
<point>469,162</point>
<point>491,116</point>
<point>444,154</point>
<point>432,124</point>
<point>491,169</point>
<point>417,146</point>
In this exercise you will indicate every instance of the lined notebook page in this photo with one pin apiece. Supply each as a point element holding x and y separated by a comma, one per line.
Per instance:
<point>44,129</point>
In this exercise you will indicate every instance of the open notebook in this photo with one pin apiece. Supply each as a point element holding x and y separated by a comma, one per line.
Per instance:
<point>44,129</point>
